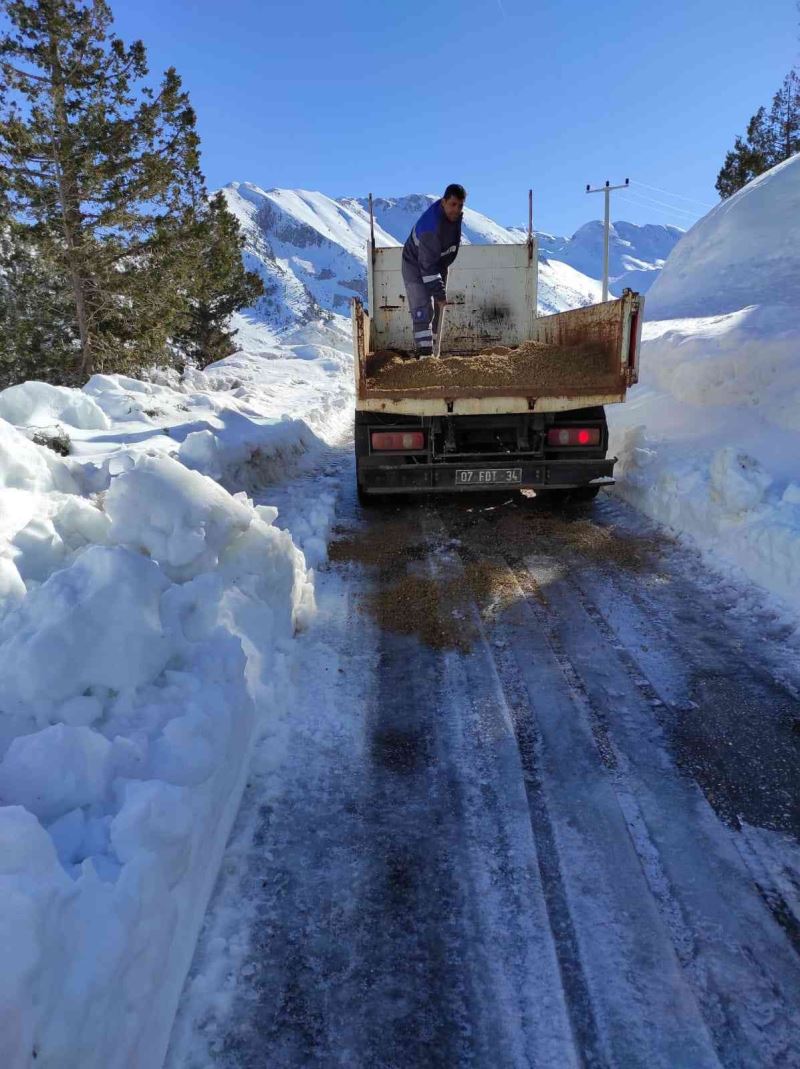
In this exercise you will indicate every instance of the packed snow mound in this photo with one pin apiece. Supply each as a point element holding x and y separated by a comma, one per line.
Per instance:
<point>247,456</point>
<point>140,671</point>
<point>744,252</point>
<point>709,439</point>
<point>121,397</point>
<point>43,520</point>
<point>146,618</point>
<point>93,624</point>
<point>745,358</point>
<point>186,521</point>
<point>38,404</point>
<point>82,757</point>
<point>24,465</point>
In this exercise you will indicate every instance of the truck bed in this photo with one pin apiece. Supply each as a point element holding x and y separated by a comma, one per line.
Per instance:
<point>587,356</point>
<point>551,367</point>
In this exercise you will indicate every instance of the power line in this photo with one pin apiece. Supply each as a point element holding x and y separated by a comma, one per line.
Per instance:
<point>663,211</point>
<point>663,203</point>
<point>666,216</point>
<point>666,192</point>
<point>648,201</point>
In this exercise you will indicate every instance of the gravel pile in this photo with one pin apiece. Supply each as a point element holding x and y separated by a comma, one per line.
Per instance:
<point>543,366</point>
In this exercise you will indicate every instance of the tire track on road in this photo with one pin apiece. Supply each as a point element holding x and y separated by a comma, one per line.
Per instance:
<point>743,970</point>
<point>644,1011</point>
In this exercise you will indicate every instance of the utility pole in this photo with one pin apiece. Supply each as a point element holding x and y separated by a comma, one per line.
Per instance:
<point>372,231</point>
<point>607,190</point>
<point>530,226</point>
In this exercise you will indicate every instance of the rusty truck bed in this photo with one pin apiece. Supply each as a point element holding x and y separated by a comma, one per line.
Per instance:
<point>585,356</point>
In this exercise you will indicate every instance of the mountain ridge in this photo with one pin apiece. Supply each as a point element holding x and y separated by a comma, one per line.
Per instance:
<point>310,251</point>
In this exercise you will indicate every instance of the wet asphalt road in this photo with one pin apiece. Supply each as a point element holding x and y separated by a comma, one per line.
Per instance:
<point>549,825</point>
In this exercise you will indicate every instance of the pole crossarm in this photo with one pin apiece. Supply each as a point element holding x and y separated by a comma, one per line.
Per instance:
<point>602,189</point>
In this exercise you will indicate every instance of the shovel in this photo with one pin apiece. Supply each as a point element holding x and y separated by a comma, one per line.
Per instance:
<point>440,331</point>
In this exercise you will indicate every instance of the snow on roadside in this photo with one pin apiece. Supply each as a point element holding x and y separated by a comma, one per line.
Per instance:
<point>147,611</point>
<point>708,441</point>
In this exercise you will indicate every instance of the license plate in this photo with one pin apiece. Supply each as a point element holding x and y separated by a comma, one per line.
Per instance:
<point>488,476</point>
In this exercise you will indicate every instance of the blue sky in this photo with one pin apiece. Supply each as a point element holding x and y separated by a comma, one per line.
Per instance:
<point>500,95</point>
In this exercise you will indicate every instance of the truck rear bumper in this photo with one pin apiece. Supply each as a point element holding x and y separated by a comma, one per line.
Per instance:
<point>381,478</point>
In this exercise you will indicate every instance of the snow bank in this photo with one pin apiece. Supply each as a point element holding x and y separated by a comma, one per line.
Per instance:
<point>147,609</point>
<point>709,440</point>
<point>184,529</point>
<point>743,252</point>
<point>134,677</point>
<point>146,613</point>
<point>29,468</point>
<point>43,521</point>
<point>94,624</point>
<point>38,404</point>
<point>244,454</point>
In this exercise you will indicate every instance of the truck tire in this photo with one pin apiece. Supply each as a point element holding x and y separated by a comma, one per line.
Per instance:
<point>583,494</point>
<point>369,501</point>
<point>364,499</point>
<point>568,498</point>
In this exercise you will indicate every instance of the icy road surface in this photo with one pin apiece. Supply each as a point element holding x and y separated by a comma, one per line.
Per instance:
<point>537,806</point>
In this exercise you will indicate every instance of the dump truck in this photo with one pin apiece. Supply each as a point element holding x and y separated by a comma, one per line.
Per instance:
<point>447,428</point>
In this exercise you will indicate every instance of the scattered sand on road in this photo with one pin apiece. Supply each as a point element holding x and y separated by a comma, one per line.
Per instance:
<point>436,609</point>
<point>440,608</point>
<point>387,544</point>
<point>599,543</point>
<point>406,599</point>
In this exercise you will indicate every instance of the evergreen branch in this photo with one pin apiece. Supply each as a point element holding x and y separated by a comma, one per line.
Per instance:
<point>22,169</point>
<point>24,74</point>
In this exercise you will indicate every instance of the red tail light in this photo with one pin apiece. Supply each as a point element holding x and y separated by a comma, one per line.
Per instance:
<point>405,440</point>
<point>559,436</point>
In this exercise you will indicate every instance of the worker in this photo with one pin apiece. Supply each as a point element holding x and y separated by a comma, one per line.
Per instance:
<point>428,253</point>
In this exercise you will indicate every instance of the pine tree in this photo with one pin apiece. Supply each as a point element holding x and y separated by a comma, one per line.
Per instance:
<point>35,313</point>
<point>784,118</point>
<point>218,283</point>
<point>749,157</point>
<point>770,139</point>
<point>95,167</point>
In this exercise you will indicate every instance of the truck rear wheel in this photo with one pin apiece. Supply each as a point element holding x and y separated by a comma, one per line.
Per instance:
<point>369,501</point>
<point>568,497</point>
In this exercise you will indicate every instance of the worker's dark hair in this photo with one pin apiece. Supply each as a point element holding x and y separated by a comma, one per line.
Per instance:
<point>455,190</point>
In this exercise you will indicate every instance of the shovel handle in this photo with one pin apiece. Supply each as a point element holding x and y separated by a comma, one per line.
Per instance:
<point>442,311</point>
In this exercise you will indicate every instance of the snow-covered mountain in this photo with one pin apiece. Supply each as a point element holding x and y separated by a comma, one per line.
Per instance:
<point>310,250</point>
<point>397,215</point>
<point>636,253</point>
<point>561,286</point>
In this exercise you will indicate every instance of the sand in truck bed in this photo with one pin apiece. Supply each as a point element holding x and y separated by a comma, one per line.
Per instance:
<point>539,365</point>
